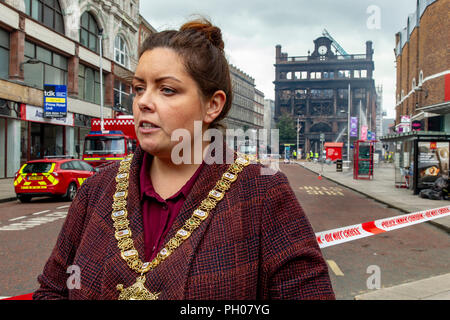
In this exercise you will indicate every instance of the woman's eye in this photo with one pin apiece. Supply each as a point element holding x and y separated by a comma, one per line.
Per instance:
<point>168,91</point>
<point>138,90</point>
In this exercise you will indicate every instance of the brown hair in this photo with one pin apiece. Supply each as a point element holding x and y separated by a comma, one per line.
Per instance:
<point>200,45</point>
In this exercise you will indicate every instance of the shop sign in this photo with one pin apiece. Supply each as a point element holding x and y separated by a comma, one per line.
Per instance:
<point>36,114</point>
<point>55,101</point>
<point>416,125</point>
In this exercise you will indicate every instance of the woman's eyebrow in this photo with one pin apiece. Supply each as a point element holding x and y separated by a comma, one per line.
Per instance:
<point>135,78</point>
<point>167,77</point>
<point>138,79</point>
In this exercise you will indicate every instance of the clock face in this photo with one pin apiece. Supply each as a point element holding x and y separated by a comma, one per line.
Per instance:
<point>322,50</point>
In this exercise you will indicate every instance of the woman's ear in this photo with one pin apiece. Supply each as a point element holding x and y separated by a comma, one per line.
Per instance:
<point>214,106</point>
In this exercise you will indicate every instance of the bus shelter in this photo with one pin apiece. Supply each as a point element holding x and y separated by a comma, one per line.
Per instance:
<point>420,157</point>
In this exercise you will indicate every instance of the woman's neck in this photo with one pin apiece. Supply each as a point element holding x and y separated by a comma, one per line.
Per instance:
<point>168,178</point>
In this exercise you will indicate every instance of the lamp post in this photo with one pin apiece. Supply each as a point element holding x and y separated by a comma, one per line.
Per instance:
<point>100,37</point>
<point>348,125</point>
<point>29,61</point>
<point>298,129</point>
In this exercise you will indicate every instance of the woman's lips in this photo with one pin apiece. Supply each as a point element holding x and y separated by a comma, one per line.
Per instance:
<point>147,127</point>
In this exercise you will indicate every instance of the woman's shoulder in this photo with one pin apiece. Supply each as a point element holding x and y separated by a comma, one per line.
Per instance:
<point>103,176</point>
<point>262,177</point>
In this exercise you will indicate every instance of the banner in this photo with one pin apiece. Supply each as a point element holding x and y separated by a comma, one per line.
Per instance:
<point>353,127</point>
<point>363,135</point>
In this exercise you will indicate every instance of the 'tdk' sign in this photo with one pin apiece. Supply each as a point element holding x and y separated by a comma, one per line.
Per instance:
<point>55,101</point>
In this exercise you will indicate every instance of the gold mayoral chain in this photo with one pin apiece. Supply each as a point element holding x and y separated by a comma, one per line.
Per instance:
<point>123,232</point>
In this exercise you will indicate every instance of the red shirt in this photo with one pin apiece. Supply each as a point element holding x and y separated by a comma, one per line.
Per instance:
<point>158,214</point>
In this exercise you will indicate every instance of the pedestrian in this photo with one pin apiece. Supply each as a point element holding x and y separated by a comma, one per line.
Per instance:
<point>149,227</point>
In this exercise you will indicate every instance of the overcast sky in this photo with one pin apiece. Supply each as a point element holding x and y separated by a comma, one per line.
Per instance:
<point>252,28</point>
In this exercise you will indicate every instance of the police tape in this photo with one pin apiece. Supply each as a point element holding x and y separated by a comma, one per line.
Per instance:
<point>357,231</point>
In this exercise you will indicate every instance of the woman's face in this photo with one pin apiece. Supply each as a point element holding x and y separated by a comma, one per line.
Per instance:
<point>167,98</point>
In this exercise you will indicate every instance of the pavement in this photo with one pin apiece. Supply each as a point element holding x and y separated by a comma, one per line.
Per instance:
<point>381,188</point>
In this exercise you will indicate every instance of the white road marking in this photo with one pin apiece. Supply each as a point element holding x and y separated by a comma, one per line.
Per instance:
<point>18,218</point>
<point>333,265</point>
<point>40,212</point>
<point>63,207</point>
<point>32,222</point>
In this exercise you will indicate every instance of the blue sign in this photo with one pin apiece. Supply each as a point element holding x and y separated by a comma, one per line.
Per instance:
<point>55,101</point>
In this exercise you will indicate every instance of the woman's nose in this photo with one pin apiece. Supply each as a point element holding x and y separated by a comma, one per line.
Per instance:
<point>146,101</point>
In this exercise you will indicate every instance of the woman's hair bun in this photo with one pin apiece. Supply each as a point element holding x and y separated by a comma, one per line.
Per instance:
<point>211,32</point>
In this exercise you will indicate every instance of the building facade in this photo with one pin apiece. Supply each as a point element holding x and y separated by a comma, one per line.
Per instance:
<point>423,69</point>
<point>316,89</point>
<point>58,43</point>
<point>247,110</point>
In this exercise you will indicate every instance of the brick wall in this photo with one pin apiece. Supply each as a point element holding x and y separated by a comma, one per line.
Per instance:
<point>426,51</point>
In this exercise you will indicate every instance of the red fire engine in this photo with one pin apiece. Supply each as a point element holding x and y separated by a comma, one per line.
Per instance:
<point>113,143</point>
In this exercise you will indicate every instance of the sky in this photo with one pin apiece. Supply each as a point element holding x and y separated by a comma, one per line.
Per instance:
<point>252,28</point>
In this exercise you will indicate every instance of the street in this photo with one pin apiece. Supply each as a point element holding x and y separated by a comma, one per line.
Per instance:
<point>28,233</point>
<point>399,256</point>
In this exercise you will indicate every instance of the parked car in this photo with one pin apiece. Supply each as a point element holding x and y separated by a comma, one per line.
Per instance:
<point>51,177</point>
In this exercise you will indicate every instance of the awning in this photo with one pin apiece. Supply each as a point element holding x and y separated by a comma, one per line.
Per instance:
<point>422,115</point>
<point>439,108</point>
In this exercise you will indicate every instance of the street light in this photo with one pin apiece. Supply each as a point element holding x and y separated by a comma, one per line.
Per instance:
<point>100,37</point>
<point>348,126</point>
<point>29,61</point>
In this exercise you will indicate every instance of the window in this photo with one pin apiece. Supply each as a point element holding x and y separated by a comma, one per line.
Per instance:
<point>89,84</point>
<point>344,74</point>
<point>123,96</point>
<point>359,93</point>
<point>4,54</point>
<point>359,74</point>
<point>89,32</point>
<point>47,12</point>
<point>51,70</point>
<point>121,52</point>
<point>328,74</point>
<point>315,75</point>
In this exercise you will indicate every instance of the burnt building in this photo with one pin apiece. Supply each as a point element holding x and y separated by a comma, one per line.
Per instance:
<point>314,89</point>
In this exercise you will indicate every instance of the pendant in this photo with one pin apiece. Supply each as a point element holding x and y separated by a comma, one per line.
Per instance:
<point>137,291</point>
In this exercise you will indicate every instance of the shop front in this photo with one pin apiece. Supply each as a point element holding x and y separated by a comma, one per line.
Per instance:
<point>420,157</point>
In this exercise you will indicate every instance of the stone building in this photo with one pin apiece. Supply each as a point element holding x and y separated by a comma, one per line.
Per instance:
<point>247,111</point>
<point>423,68</point>
<point>315,89</point>
<point>57,42</point>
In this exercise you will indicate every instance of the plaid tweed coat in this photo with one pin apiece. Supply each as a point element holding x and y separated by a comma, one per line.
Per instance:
<point>256,244</point>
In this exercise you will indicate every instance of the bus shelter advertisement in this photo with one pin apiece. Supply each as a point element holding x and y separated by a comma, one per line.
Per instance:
<point>433,161</point>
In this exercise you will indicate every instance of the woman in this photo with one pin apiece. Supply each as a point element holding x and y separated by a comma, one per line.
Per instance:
<point>151,227</point>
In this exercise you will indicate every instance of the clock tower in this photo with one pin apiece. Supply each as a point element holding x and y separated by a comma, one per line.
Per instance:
<point>322,49</point>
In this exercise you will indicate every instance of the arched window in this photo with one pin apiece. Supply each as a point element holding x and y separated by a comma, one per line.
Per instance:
<point>121,52</point>
<point>47,12</point>
<point>89,32</point>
